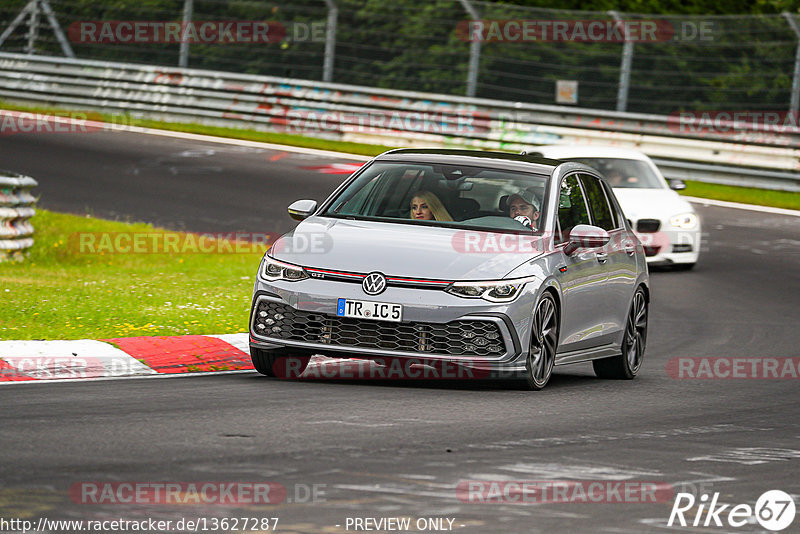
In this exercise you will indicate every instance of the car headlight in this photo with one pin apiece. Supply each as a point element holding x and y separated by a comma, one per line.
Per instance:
<point>491,290</point>
<point>278,270</point>
<point>687,221</point>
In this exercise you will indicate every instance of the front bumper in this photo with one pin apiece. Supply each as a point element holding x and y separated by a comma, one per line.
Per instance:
<point>427,315</point>
<point>671,245</point>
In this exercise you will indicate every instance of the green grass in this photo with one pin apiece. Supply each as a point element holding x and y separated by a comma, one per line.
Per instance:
<point>745,195</point>
<point>61,292</point>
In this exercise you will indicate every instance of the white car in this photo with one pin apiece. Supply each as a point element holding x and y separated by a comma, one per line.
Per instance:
<point>666,224</point>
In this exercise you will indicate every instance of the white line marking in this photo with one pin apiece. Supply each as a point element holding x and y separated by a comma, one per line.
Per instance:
<point>239,341</point>
<point>200,137</point>
<point>737,205</point>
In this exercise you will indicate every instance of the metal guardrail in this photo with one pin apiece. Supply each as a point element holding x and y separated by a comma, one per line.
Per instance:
<point>747,156</point>
<point>16,208</point>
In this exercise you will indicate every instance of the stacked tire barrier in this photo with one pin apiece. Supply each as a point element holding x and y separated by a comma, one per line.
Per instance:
<point>16,209</point>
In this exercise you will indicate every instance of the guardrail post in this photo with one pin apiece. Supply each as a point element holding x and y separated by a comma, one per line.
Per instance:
<point>795,98</point>
<point>32,10</point>
<point>625,67</point>
<point>51,18</point>
<point>474,52</point>
<point>188,9</point>
<point>330,41</point>
<point>16,208</point>
<point>33,28</point>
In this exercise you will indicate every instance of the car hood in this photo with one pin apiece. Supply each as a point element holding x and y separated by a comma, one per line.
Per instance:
<point>651,203</point>
<point>404,250</point>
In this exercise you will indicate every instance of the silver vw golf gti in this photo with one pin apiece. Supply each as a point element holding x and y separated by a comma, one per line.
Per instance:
<point>503,264</point>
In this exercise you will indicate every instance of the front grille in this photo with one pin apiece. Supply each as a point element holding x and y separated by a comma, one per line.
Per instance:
<point>648,226</point>
<point>681,248</point>
<point>651,251</point>
<point>458,338</point>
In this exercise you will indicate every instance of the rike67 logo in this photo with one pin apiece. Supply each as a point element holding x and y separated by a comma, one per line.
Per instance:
<point>774,510</point>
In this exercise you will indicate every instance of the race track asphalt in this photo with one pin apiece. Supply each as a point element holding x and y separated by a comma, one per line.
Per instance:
<point>400,448</point>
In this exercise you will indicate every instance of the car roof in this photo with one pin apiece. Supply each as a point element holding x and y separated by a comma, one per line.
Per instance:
<point>589,151</point>
<point>473,157</point>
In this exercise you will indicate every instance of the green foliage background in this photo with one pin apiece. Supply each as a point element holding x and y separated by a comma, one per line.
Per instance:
<point>747,63</point>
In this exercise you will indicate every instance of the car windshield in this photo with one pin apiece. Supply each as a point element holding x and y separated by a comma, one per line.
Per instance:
<point>444,195</point>
<point>628,173</point>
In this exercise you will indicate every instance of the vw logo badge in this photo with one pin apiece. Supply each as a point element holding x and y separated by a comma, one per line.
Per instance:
<point>374,284</point>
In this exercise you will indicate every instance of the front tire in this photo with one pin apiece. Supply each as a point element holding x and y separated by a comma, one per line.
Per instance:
<point>627,364</point>
<point>544,343</point>
<point>280,363</point>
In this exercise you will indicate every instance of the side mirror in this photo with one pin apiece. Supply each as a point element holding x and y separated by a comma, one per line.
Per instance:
<point>677,185</point>
<point>302,209</point>
<point>586,236</point>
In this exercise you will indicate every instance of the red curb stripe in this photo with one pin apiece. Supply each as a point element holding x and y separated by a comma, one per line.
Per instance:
<point>9,373</point>
<point>184,354</point>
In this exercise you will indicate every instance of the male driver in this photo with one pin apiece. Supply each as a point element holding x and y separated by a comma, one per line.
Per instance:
<point>524,204</point>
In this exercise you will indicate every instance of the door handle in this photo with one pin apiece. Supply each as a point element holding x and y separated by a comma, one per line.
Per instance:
<point>630,248</point>
<point>602,257</point>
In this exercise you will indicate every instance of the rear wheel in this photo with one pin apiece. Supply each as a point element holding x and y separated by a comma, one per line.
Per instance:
<point>281,363</point>
<point>544,342</point>
<point>627,364</point>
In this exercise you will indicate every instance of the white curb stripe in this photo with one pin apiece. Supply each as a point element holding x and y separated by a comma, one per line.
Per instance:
<point>737,205</point>
<point>193,137</point>
<point>58,360</point>
<point>239,341</point>
<point>229,141</point>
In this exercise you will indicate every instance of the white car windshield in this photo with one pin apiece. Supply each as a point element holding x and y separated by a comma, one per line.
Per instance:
<point>444,195</point>
<point>627,173</point>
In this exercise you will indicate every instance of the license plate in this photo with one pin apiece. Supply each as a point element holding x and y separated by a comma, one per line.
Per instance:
<point>361,309</point>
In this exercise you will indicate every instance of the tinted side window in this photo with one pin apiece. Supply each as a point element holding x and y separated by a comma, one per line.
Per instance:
<point>601,212</point>
<point>619,217</point>
<point>572,209</point>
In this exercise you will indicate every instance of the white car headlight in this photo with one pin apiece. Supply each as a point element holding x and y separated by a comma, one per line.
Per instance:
<point>278,270</point>
<point>687,221</point>
<point>491,290</point>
